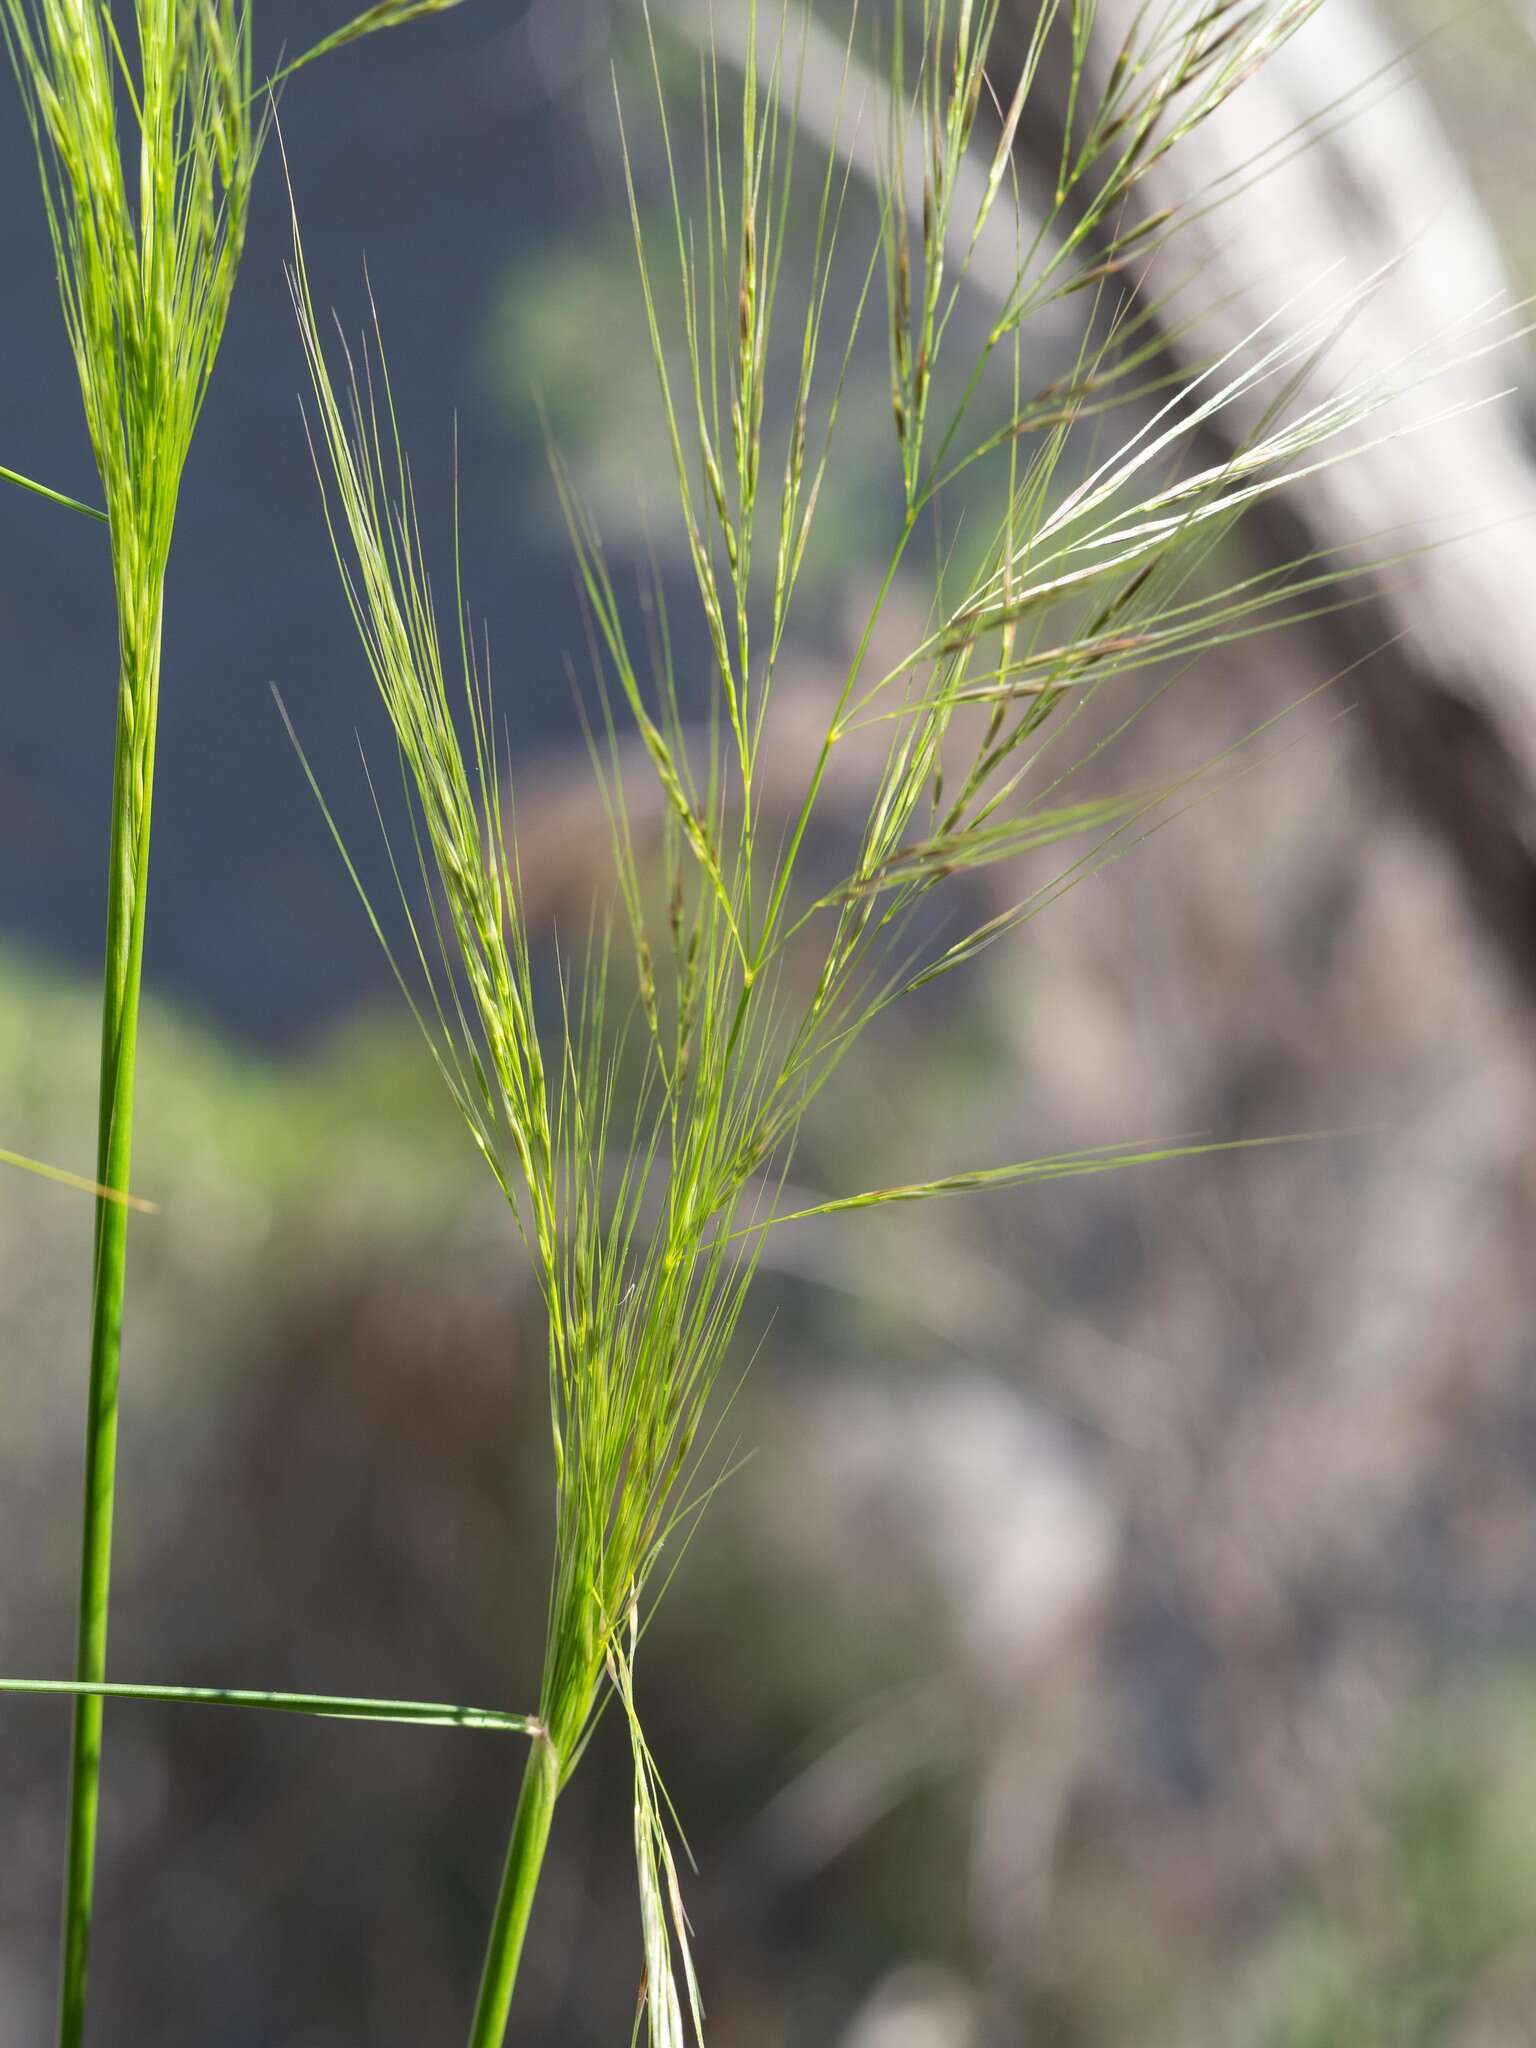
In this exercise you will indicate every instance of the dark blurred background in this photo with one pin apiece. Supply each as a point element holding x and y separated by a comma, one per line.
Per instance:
<point>1125,1629</point>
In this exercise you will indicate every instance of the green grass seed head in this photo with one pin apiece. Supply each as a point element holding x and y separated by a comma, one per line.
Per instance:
<point>644,1140</point>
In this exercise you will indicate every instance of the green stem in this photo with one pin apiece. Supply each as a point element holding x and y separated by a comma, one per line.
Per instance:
<point>520,1879</point>
<point>322,1706</point>
<point>14,476</point>
<point>128,875</point>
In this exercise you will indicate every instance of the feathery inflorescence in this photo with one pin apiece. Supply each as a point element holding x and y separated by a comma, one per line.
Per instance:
<point>641,1122</point>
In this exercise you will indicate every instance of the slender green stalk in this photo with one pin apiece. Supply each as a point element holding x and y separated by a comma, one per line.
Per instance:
<point>514,1903</point>
<point>126,902</point>
<point>320,1706</point>
<point>27,483</point>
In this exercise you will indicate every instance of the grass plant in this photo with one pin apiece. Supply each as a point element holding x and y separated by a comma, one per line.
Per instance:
<point>642,1121</point>
<point>147,138</point>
